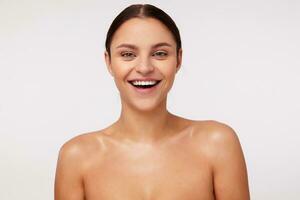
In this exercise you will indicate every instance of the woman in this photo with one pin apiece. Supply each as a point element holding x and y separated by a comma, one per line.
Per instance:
<point>149,153</point>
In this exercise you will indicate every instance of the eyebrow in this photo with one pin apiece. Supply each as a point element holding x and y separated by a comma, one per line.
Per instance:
<point>131,46</point>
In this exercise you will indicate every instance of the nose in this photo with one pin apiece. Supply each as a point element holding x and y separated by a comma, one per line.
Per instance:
<point>144,66</point>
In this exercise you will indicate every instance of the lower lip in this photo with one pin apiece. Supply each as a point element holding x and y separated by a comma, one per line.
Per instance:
<point>145,90</point>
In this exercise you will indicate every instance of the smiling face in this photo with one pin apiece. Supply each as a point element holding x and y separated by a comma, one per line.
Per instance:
<point>143,51</point>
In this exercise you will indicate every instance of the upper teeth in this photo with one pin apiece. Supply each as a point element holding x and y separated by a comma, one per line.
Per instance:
<point>144,82</point>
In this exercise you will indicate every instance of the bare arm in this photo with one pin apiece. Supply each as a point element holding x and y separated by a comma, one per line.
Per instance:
<point>229,167</point>
<point>68,179</point>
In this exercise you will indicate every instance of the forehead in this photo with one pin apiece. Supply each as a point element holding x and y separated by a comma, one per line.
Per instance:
<point>142,31</point>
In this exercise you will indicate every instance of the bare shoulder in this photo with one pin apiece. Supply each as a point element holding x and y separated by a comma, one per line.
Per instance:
<point>215,127</point>
<point>80,148</point>
<point>228,163</point>
<point>77,145</point>
<point>216,133</point>
<point>75,156</point>
<point>220,143</point>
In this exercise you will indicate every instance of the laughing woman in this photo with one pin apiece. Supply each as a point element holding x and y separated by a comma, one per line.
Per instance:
<point>150,153</point>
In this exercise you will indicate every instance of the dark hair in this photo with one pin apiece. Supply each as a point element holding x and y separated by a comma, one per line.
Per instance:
<point>142,11</point>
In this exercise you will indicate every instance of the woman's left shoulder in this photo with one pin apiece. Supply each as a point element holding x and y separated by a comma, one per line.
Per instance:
<point>216,131</point>
<point>225,154</point>
<point>216,137</point>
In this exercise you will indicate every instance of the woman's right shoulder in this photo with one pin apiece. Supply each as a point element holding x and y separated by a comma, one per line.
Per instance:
<point>80,146</point>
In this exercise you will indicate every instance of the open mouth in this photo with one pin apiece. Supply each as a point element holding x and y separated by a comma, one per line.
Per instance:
<point>144,84</point>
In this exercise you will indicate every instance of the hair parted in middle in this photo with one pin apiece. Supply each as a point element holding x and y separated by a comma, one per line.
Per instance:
<point>142,11</point>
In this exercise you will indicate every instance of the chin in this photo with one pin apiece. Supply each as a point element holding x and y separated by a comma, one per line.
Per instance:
<point>145,106</point>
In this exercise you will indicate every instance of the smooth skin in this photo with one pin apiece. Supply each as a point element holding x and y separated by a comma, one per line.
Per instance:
<point>149,153</point>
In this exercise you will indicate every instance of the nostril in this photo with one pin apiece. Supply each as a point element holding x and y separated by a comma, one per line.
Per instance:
<point>145,68</point>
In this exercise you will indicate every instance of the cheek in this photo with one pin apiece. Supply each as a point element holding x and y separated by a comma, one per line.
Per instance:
<point>168,69</point>
<point>119,73</point>
<point>120,69</point>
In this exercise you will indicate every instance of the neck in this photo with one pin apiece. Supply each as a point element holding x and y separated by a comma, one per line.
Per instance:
<point>144,126</point>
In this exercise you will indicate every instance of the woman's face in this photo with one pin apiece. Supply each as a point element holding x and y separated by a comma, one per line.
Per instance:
<point>143,52</point>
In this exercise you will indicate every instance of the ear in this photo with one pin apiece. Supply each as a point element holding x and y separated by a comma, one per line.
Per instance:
<point>179,59</point>
<point>108,62</point>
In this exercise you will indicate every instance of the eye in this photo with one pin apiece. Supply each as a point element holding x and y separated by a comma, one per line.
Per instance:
<point>160,53</point>
<point>127,54</point>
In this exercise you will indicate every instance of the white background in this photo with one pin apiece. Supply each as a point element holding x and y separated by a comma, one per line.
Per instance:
<point>240,66</point>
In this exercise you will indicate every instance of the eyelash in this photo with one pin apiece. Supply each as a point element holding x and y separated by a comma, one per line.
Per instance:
<point>126,53</point>
<point>164,53</point>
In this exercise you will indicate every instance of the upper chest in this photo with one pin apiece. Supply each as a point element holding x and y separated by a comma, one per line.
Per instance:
<point>177,171</point>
